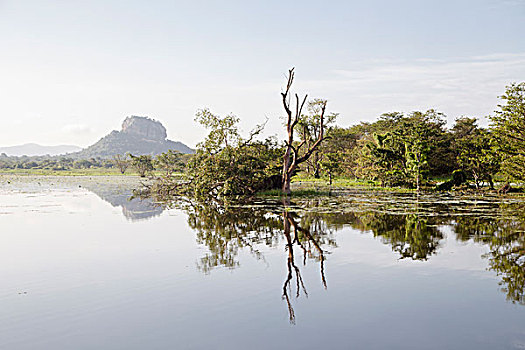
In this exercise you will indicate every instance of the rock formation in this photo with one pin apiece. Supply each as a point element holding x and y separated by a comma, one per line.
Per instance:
<point>146,128</point>
<point>139,135</point>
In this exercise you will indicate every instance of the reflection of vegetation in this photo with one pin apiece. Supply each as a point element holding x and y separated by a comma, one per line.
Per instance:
<point>505,237</point>
<point>412,236</point>
<point>411,227</point>
<point>225,230</point>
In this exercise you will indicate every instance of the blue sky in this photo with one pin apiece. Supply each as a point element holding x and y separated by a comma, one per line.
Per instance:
<point>71,71</point>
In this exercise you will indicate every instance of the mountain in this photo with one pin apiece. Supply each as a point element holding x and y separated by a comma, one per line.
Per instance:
<point>139,135</point>
<point>33,149</point>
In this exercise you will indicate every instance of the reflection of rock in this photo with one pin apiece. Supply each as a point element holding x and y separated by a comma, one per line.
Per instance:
<point>118,196</point>
<point>139,209</point>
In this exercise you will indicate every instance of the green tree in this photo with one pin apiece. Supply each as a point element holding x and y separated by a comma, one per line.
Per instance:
<point>476,154</point>
<point>308,130</point>
<point>508,124</point>
<point>121,162</point>
<point>142,164</point>
<point>419,133</point>
<point>226,164</point>
<point>342,142</point>
<point>332,163</point>
<point>170,162</point>
<point>401,150</point>
<point>380,159</point>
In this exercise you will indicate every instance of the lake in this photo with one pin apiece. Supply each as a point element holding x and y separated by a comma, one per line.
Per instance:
<point>83,266</point>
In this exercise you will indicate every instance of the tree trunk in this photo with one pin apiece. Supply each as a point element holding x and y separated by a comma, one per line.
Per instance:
<point>316,173</point>
<point>417,180</point>
<point>291,158</point>
<point>287,178</point>
<point>491,183</point>
<point>476,182</point>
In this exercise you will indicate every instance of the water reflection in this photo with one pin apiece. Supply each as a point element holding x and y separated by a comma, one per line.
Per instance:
<point>224,230</point>
<point>133,208</point>
<point>411,236</point>
<point>505,237</point>
<point>413,228</point>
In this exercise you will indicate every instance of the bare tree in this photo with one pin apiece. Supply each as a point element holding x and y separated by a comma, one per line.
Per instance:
<point>291,158</point>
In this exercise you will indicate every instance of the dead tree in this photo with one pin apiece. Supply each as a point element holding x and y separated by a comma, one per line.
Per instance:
<point>291,158</point>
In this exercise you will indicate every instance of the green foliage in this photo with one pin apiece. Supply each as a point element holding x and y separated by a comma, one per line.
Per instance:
<point>508,124</point>
<point>331,162</point>
<point>56,163</point>
<point>337,151</point>
<point>380,160</point>
<point>143,164</point>
<point>169,162</point>
<point>226,164</point>
<point>398,152</point>
<point>223,132</point>
<point>121,162</point>
<point>476,154</point>
<point>308,130</point>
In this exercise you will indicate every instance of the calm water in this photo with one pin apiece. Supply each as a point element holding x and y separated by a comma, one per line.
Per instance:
<point>83,267</point>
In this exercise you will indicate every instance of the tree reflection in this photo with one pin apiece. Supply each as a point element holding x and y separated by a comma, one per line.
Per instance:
<point>306,227</point>
<point>505,237</point>
<point>412,236</point>
<point>308,241</point>
<point>226,229</point>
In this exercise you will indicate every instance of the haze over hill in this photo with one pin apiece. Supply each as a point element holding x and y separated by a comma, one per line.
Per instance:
<point>139,135</point>
<point>33,149</point>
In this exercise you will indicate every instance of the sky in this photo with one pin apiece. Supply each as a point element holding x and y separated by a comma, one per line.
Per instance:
<point>71,71</point>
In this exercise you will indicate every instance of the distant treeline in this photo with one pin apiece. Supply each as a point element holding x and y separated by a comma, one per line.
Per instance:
<point>52,162</point>
<point>141,164</point>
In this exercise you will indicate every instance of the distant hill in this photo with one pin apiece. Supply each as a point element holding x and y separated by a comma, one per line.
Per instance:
<point>33,149</point>
<point>139,135</point>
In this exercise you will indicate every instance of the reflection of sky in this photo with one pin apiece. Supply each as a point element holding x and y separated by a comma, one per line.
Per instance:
<point>96,280</point>
<point>115,191</point>
<point>452,254</point>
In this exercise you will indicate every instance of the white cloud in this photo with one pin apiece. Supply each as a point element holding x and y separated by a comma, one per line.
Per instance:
<point>78,129</point>
<point>460,86</point>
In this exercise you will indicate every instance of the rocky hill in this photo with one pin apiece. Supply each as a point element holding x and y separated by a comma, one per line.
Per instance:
<point>139,135</point>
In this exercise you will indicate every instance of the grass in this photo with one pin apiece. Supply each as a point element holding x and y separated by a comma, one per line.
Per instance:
<point>295,193</point>
<point>309,187</point>
<point>301,185</point>
<point>303,182</point>
<point>71,172</point>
